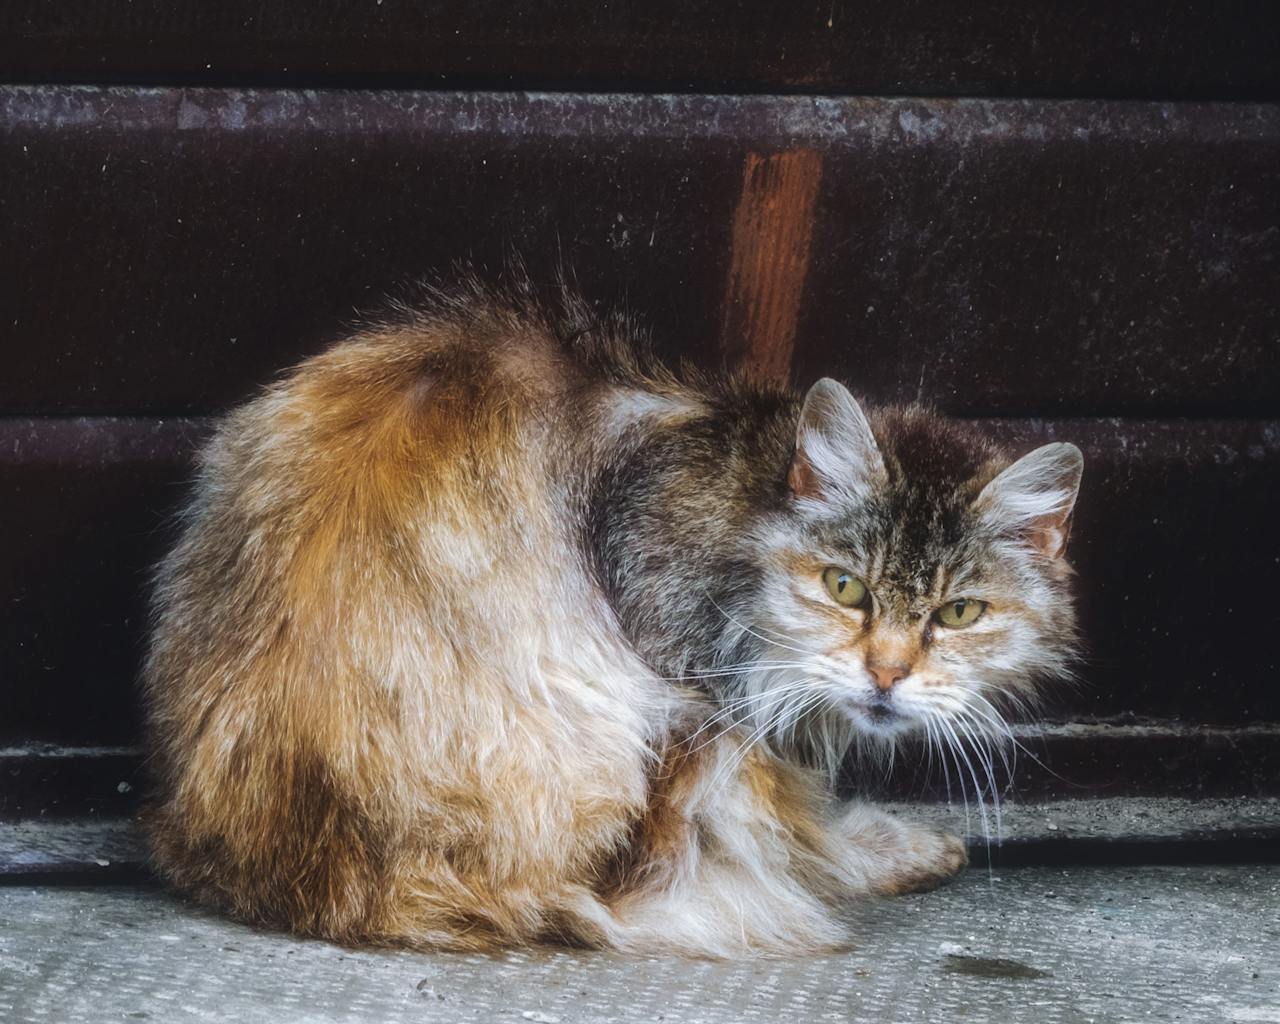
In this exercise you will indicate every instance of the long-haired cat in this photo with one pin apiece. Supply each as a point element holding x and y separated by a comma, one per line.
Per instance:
<point>485,628</point>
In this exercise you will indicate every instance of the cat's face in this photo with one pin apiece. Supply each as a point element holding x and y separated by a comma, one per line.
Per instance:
<point>912,584</point>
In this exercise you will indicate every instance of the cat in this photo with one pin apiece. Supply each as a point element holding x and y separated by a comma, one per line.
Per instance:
<point>486,628</point>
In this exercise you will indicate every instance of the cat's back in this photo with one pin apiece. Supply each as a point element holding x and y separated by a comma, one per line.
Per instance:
<point>378,579</point>
<point>400,465</point>
<point>427,398</point>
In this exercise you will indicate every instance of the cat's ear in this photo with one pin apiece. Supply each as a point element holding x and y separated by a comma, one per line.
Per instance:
<point>836,457</point>
<point>1035,496</point>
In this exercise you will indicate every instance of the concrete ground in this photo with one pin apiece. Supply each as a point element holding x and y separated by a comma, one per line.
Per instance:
<point>1042,945</point>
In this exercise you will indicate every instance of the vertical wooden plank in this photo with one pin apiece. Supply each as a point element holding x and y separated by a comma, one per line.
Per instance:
<point>772,230</point>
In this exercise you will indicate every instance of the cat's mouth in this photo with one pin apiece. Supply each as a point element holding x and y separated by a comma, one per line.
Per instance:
<point>879,714</point>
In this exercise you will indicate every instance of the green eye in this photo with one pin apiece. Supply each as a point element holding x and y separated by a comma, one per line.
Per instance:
<point>960,613</point>
<point>844,589</point>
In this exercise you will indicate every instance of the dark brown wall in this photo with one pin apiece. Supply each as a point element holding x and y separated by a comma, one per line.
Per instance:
<point>166,250</point>
<point>1143,48</point>
<point>1099,270</point>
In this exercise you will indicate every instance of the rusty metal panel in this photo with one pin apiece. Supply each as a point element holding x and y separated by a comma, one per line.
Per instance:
<point>166,250</point>
<point>1193,48</point>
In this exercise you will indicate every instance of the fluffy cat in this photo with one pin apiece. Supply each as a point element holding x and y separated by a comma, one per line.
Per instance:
<point>484,628</point>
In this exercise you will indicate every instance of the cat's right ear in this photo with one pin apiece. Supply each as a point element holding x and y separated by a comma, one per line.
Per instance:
<point>1034,497</point>
<point>836,459</point>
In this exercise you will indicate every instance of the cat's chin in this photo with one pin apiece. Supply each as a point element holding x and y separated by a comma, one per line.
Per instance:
<point>880,718</point>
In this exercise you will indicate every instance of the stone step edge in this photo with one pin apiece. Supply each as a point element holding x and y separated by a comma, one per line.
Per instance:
<point>1118,830</point>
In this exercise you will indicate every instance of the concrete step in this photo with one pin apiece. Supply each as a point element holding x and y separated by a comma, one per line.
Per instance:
<point>1133,830</point>
<point>1027,946</point>
<point>169,250</point>
<point>1065,761</point>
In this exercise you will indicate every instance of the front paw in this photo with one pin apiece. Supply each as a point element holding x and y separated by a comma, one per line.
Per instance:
<point>926,860</point>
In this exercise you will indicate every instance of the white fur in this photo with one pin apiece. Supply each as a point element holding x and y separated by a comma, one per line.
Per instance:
<point>835,439</point>
<point>1041,487</point>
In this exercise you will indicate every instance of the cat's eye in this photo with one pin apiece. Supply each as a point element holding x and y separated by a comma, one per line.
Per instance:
<point>964,611</point>
<point>844,589</point>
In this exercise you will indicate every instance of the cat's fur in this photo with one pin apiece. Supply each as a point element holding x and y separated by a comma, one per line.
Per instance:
<point>484,628</point>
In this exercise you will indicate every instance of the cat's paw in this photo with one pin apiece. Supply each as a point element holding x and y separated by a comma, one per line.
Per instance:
<point>928,859</point>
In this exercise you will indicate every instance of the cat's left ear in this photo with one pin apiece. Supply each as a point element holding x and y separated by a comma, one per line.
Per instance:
<point>1035,496</point>
<point>836,457</point>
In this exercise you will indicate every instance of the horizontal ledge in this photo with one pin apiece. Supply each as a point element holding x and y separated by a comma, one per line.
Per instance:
<point>1106,831</point>
<point>1088,764</point>
<point>815,120</point>
<point>1048,730</point>
<point>1127,819</point>
<point>605,83</point>
<point>1103,729</point>
<point>60,752</point>
<point>99,440</point>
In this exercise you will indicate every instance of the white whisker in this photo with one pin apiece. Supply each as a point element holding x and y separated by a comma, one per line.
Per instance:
<point>726,772</point>
<point>752,701</point>
<point>759,636</point>
<point>983,753</point>
<point>745,668</point>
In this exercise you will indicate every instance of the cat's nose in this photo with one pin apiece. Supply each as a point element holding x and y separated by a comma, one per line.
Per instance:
<point>885,676</point>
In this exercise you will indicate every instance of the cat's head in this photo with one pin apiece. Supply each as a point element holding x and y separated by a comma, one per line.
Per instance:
<point>914,580</point>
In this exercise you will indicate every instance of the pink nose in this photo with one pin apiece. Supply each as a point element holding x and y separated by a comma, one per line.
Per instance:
<point>886,675</point>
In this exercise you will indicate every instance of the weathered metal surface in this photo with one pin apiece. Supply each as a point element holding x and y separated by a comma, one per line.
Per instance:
<point>48,781</point>
<point>85,507</point>
<point>169,249</point>
<point>1003,47</point>
<point>1170,516</point>
<point>1032,946</point>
